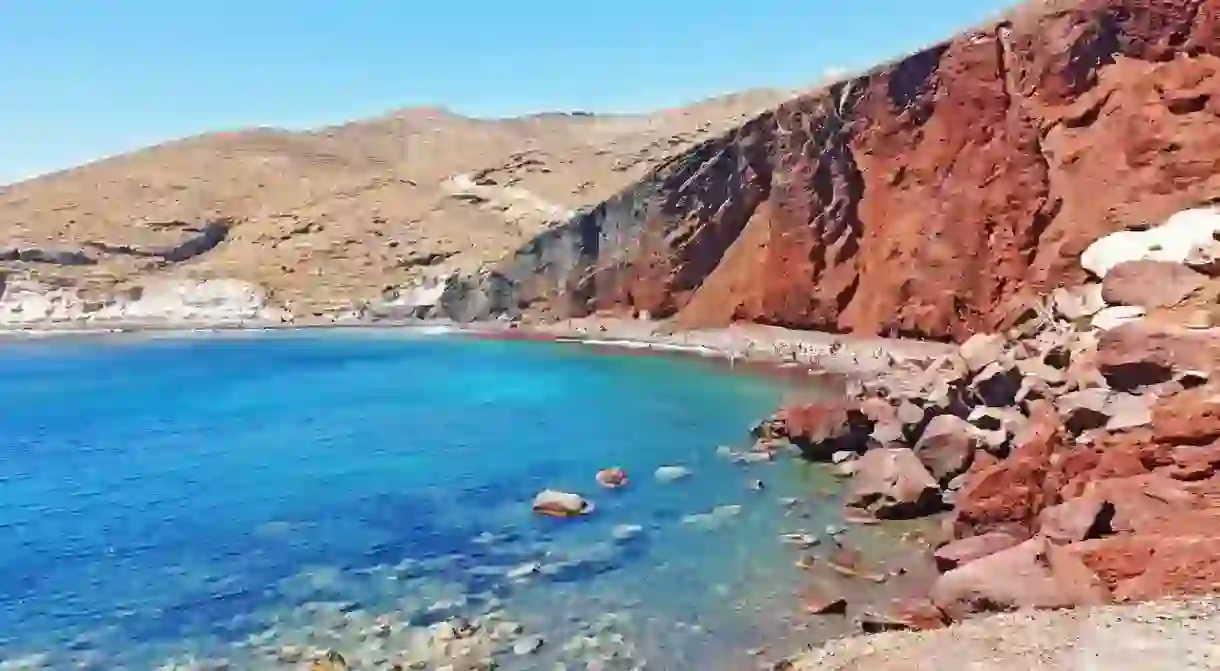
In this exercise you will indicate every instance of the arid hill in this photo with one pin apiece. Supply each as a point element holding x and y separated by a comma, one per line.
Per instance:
<point>340,215</point>
<point>920,198</point>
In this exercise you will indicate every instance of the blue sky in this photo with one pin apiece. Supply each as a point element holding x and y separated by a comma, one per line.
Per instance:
<point>83,79</point>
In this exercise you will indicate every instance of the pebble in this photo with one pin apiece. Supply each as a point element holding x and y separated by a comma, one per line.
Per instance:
<point>625,532</point>
<point>527,646</point>
<point>672,473</point>
<point>524,571</point>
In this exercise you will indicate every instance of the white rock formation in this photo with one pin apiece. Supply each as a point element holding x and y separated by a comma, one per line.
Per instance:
<point>207,301</point>
<point>186,302</point>
<point>30,303</point>
<point>1173,241</point>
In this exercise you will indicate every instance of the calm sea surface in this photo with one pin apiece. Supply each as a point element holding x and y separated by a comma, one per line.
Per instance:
<point>207,498</point>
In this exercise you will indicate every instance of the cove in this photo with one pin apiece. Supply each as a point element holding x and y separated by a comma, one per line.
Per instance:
<point>248,497</point>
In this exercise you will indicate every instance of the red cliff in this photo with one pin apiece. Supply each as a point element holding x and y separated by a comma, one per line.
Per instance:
<point>919,198</point>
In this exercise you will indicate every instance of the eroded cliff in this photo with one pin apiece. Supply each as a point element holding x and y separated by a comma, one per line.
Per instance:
<point>920,198</point>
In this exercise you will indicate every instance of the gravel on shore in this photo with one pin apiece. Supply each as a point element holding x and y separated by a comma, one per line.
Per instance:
<point>1177,635</point>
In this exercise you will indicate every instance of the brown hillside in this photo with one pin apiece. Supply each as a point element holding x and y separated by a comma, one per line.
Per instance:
<point>325,218</point>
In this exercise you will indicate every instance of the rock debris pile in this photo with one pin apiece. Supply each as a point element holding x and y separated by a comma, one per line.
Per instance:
<point>1075,453</point>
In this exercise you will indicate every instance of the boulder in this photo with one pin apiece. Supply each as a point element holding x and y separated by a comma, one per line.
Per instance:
<point>918,614</point>
<point>820,429</point>
<point>612,478</point>
<point>331,661</point>
<point>892,483</point>
<point>1149,566</point>
<point>1084,410</point>
<point>1150,284</point>
<point>997,384</point>
<point>1205,258</point>
<point>1113,317</point>
<point>947,446</point>
<point>1008,495</point>
<point>1033,574</point>
<point>1139,355</point>
<point>884,433</point>
<point>966,550</point>
<point>982,349</point>
<point>1078,302</point>
<point>1172,241</point>
<point>910,414</point>
<point>671,473</point>
<point>1009,420</point>
<point>872,622</point>
<point>561,504</point>
<point>1038,369</point>
<point>1127,411</point>
<point>823,600</point>
<point>1189,418</point>
<point>1078,519</point>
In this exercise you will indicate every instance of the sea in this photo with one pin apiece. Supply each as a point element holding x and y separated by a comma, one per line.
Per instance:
<point>251,500</point>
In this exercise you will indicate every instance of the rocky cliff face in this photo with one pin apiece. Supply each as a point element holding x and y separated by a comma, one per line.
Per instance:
<point>920,198</point>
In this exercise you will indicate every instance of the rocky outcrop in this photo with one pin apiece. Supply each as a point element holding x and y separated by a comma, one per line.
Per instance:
<point>1082,464</point>
<point>170,302</point>
<point>199,241</point>
<point>920,198</point>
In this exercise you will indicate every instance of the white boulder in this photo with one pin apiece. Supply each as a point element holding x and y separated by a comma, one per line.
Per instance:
<point>671,473</point>
<point>1173,241</point>
<point>561,504</point>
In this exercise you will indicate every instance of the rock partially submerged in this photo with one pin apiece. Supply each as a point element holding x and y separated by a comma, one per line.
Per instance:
<point>561,504</point>
<point>671,473</point>
<point>612,478</point>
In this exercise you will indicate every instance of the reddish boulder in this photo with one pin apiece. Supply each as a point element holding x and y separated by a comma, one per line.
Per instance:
<point>820,429</point>
<point>918,614</point>
<point>1029,575</point>
<point>1156,504</point>
<point>1189,418</point>
<point>1150,284</point>
<point>947,446</point>
<point>1138,355</point>
<point>1147,566</point>
<point>1009,495</point>
<point>1077,519</point>
<point>966,550</point>
<point>892,483</point>
<point>822,599</point>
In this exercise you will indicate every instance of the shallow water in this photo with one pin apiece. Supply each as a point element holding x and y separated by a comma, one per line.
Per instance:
<point>227,497</point>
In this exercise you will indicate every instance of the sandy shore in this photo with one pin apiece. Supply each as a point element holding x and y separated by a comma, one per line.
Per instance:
<point>840,354</point>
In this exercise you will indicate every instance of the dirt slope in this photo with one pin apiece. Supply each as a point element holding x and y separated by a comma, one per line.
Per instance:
<point>919,198</point>
<point>322,218</point>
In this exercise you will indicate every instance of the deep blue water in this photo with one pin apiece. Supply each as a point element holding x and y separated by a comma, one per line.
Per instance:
<point>159,495</point>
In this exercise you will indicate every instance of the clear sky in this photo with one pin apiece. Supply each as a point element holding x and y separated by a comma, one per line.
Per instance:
<point>82,79</point>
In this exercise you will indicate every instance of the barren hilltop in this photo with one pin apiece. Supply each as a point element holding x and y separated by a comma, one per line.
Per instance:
<point>343,214</point>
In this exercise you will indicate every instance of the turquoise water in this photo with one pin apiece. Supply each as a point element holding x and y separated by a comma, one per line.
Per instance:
<point>223,497</point>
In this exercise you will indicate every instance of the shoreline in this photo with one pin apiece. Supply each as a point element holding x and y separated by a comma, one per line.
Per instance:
<point>819,351</point>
